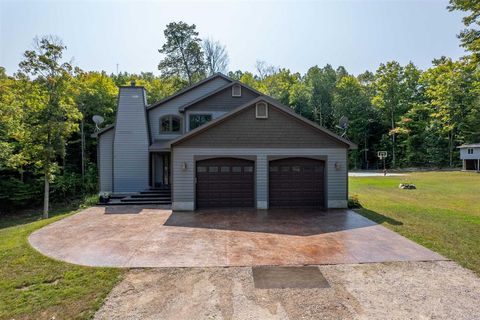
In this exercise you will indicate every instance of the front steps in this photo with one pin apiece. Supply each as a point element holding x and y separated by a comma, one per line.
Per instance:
<point>157,196</point>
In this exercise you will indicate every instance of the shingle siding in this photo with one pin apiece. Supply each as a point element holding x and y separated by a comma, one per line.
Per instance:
<point>278,131</point>
<point>105,161</point>
<point>131,157</point>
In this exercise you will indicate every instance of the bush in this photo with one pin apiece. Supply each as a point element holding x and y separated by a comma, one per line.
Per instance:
<point>354,202</point>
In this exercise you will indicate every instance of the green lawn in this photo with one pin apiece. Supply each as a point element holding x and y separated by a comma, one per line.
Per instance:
<point>442,214</point>
<point>33,286</point>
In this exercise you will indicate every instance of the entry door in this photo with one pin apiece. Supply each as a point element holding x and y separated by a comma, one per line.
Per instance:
<point>296,183</point>
<point>225,182</point>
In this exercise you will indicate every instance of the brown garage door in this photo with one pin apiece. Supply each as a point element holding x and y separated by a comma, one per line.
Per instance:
<point>225,182</point>
<point>296,182</point>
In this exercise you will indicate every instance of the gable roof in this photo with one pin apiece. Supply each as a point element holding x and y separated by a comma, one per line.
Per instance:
<point>103,130</point>
<point>211,93</point>
<point>193,86</point>
<point>473,145</point>
<point>273,103</point>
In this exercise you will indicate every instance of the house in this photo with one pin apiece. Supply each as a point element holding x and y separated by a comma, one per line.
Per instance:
<point>220,143</point>
<point>470,155</point>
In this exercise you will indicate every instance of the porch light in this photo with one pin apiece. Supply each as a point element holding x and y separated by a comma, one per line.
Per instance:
<point>338,166</point>
<point>184,166</point>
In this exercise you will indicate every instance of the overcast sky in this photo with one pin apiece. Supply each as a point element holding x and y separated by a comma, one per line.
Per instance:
<point>297,35</point>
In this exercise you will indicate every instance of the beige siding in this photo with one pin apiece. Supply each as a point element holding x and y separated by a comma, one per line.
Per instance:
<point>172,107</point>
<point>105,160</point>
<point>184,181</point>
<point>280,130</point>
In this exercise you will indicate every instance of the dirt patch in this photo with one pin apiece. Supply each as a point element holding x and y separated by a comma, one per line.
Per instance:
<point>405,290</point>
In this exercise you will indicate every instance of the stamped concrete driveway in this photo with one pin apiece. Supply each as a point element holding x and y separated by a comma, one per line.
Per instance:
<point>153,237</point>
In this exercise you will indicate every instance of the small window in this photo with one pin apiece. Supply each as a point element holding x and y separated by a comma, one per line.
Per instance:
<point>296,168</point>
<point>201,169</point>
<point>170,124</point>
<point>261,110</point>
<point>247,169</point>
<point>236,90</point>
<point>196,120</point>
<point>470,150</point>
<point>224,169</point>
<point>285,168</point>
<point>237,169</point>
<point>273,169</point>
<point>212,169</point>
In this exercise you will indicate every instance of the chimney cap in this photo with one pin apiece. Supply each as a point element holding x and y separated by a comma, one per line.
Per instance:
<point>132,83</point>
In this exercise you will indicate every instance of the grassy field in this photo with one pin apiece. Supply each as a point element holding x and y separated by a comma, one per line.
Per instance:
<point>33,286</point>
<point>443,213</point>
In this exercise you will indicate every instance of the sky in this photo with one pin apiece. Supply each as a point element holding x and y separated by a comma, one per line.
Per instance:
<point>358,35</point>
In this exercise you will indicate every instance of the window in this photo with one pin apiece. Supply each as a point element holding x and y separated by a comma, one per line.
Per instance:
<point>196,120</point>
<point>236,90</point>
<point>261,110</point>
<point>212,169</point>
<point>224,169</point>
<point>201,169</point>
<point>470,151</point>
<point>170,124</point>
<point>247,169</point>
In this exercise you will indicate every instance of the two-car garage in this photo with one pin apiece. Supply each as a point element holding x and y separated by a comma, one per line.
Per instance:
<point>230,182</point>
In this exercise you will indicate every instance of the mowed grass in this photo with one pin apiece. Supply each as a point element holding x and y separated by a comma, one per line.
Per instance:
<point>33,286</point>
<point>442,214</point>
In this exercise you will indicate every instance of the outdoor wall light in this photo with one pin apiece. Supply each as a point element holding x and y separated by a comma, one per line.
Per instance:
<point>184,166</point>
<point>338,166</point>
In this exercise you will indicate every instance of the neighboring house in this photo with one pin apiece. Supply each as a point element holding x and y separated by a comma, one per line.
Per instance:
<point>470,155</point>
<point>220,143</point>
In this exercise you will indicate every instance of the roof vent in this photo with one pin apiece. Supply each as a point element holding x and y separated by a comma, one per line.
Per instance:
<point>132,83</point>
<point>236,90</point>
<point>261,110</point>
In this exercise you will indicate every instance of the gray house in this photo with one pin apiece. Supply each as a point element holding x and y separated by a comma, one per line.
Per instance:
<point>220,143</point>
<point>470,156</point>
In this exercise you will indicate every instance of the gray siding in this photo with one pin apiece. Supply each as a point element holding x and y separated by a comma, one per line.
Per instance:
<point>184,181</point>
<point>172,106</point>
<point>280,130</point>
<point>105,160</point>
<point>223,101</point>
<point>131,157</point>
<point>464,153</point>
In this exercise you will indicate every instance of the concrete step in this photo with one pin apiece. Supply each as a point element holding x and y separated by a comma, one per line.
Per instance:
<point>129,199</point>
<point>137,203</point>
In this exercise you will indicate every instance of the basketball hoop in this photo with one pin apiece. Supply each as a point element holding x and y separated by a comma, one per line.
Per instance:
<point>382,155</point>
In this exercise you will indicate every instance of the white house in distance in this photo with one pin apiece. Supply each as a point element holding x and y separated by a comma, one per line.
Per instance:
<point>470,155</point>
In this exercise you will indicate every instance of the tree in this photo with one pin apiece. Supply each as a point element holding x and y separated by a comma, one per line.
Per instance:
<point>52,112</point>
<point>216,56</point>
<point>322,83</point>
<point>470,37</point>
<point>183,52</point>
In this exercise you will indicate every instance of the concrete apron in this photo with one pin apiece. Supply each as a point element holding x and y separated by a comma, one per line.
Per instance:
<point>134,236</point>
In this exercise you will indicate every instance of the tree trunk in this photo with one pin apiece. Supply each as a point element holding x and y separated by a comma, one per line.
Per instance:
<point>393,137</point>
<point>46,197</point>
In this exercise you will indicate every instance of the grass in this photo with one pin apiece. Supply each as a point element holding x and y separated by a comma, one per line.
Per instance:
<point>33,286</point>
<point>442,214</point>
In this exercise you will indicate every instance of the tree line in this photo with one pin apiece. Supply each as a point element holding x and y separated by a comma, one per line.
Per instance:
<point>46,107</point>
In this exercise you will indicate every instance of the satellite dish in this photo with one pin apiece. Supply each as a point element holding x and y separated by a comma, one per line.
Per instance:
<point>343,125</point>
<point>98,121</point>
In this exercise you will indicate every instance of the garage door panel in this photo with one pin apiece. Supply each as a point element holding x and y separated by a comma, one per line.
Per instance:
<point>296,182</point>
<point>225,182</point>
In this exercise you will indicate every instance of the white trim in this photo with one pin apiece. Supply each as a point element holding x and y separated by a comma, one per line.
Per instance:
<point>266,110</point>
<point>183,206</point>
<point>337,204</point>
<point>233,90</point>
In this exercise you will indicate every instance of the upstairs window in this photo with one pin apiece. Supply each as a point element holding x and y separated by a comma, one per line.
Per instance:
<point>170,124</point>
<point>470,150</point>
<point>236,90</point>
<point>261,110</point>
<point>196,120</point>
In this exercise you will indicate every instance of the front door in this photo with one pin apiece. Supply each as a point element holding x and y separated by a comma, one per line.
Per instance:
<point>161,170</point>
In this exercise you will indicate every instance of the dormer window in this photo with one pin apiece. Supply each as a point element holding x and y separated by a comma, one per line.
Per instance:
<point>261,110</point>
<point>170,124</point>
<point>236,90</point>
